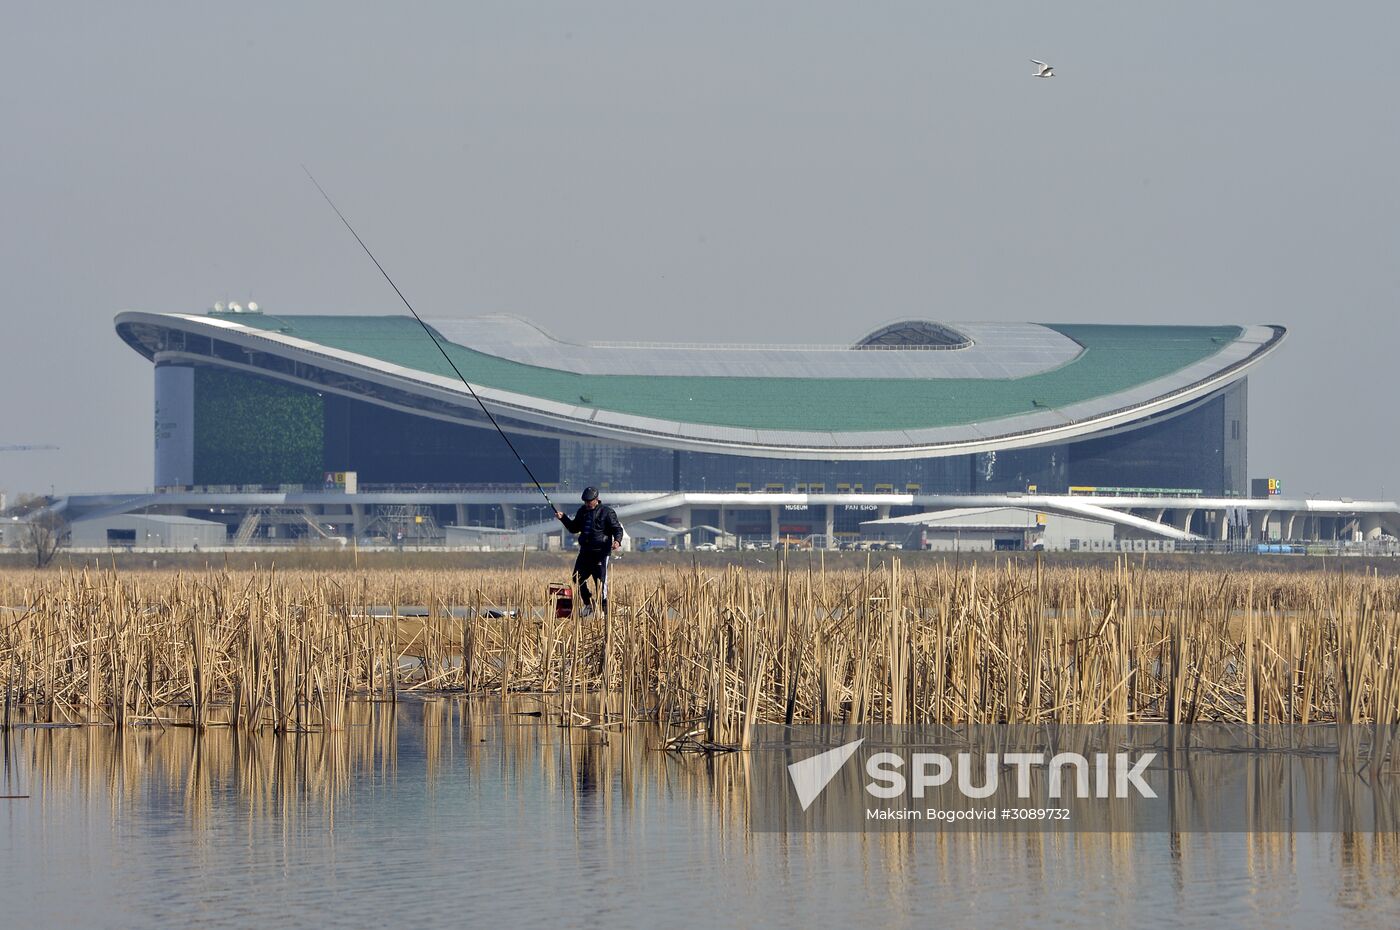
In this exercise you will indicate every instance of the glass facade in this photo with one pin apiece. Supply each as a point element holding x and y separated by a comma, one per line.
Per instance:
<point>260,431</point>
<point>1202,449</point>
<point>614,467</point>
<point>1046,467</point>
<point>252,430</point>
<point>387,446</point>
<point>698,471</point>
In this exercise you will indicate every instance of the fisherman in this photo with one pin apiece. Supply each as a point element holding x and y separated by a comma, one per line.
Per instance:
<point>599,534</point>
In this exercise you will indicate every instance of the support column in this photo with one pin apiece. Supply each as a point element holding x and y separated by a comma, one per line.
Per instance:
<point>831,526</point>
<point>773,516</point>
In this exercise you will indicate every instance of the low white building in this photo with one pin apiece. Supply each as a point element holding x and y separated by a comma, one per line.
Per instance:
<point>973,529</point>
<point>1146,522</point>
<point>11,533</point>
<point>490,537</point>
<point>147,531</point>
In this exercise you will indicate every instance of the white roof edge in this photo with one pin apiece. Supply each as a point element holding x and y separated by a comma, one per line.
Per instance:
<point>1003,433</point>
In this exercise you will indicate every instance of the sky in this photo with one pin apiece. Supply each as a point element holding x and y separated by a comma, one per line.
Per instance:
<point>771,172</point>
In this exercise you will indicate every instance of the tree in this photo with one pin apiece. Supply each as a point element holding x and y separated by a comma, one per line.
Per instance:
<point>45,531</point>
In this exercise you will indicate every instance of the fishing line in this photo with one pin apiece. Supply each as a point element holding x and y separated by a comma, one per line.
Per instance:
<point>428,329</point>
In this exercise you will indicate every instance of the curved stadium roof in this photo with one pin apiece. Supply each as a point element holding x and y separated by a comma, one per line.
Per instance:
<point>909,389</point>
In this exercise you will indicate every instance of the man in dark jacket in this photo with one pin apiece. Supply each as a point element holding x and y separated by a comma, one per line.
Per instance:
<point>599,534</point>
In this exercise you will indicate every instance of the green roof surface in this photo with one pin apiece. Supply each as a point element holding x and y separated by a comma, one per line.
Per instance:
<point>1114,359</point>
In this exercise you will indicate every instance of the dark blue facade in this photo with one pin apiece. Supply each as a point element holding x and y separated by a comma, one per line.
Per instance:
<point>1200,447</point>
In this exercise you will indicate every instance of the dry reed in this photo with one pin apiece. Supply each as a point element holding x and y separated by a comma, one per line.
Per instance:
<point>711,652</point>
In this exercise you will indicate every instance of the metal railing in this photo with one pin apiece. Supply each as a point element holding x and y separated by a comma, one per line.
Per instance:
<point>1378,548</point>
<point>362,488</point>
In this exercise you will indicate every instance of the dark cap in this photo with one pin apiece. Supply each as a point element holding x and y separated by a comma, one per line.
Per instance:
<point>590,494</point>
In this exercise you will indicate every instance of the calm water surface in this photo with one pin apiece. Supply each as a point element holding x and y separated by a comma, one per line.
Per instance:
<point>453,812</point>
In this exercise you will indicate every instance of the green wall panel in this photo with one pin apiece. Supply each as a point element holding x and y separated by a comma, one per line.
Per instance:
<point>251,430</point>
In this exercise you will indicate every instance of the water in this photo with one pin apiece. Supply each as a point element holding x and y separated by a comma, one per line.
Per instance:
<point>448,812</point>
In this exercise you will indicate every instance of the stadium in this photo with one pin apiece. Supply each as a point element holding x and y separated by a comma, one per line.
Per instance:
<point>256,399</point>
<point>290,428</point>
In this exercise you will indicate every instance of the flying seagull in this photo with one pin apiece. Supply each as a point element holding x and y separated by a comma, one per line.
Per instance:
<point>1044,70</point>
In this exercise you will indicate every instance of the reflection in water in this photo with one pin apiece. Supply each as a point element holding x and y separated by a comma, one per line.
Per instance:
<point>455,809</point>
<point>1207,778</point>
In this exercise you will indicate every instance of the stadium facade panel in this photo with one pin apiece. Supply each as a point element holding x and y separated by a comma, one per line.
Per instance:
<point>255,399</point>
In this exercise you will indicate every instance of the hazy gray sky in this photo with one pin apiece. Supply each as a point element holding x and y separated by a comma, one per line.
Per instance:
<point>704,172</point>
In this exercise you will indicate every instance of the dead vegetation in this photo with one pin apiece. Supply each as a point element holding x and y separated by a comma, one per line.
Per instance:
<point>709,653</point>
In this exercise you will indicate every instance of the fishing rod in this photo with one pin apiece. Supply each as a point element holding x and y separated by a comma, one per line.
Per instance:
<point>428,329</point>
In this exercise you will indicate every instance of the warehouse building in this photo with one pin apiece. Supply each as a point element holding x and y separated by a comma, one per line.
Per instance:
<point>146,531</point>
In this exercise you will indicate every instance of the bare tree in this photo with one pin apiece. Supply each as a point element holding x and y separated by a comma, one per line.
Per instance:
<point>46,530</point>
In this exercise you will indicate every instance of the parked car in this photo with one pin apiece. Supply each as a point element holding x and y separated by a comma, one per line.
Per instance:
<point>705,547</point>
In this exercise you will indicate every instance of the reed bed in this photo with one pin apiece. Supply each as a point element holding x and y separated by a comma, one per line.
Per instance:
<point>712,653</point>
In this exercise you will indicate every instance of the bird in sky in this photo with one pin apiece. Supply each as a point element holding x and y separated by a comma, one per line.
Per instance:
<point>1044,70</point>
